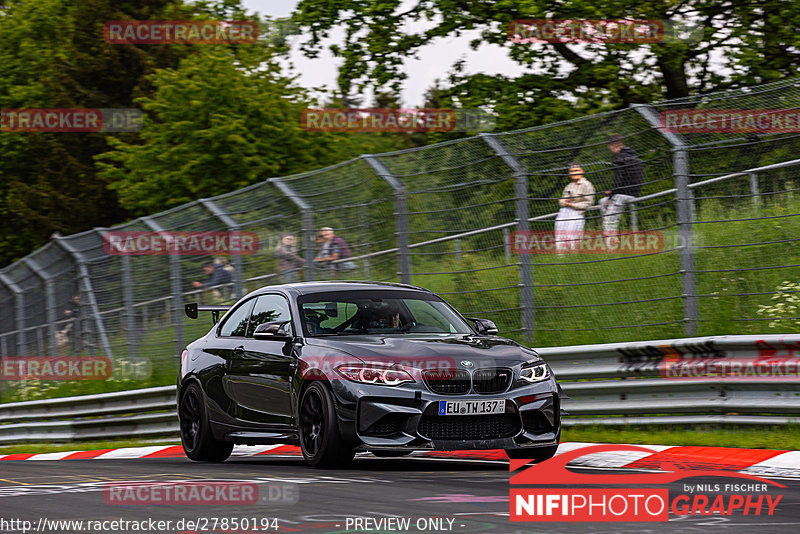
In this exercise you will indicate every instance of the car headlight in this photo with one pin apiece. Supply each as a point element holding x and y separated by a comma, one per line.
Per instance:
<point>374,374</point>
<point>533,372</point>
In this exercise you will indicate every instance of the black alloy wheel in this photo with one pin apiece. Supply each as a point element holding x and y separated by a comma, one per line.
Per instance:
<point>198,442</point>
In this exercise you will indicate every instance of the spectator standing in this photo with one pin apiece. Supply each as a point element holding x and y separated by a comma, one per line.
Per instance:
<point>72,328</point>
<point>289,262</point>
<point>578,195</point>
<point>627,185</point>
<point>218,274</point>
<point>333,248</point>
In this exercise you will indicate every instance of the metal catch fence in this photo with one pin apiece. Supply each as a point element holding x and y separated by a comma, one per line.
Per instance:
<point>724,206</point>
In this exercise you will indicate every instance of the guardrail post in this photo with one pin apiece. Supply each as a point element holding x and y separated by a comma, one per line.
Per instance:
<point>19,311</point>
<point>754,189</point>
<point>88,290</point>
<point>50,301</point>
<point>177,288</point>
<point>233,226</point>
<point>523,214</point>
<point>307,221</point>
<point>685,209</point>
<point>401,215</point>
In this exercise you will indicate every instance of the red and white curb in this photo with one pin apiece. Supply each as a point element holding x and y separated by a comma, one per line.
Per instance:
<point>753,461</point>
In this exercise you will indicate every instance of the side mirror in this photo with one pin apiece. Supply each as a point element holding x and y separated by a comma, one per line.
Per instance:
<point>272,331</point>
<point>484,326</point>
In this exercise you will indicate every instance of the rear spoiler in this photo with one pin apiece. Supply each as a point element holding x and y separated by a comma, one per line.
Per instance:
<point>192,308</point>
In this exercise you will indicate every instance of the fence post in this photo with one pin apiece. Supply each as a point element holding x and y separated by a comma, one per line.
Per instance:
<point>86,280</point>
<point>177,287</point>
<point>506,245</point>
<point>685,211</point>
<point>233,226</point>
<point>634,216</point>
<point>307,221</point>
<point>127,301</point>
<point>754,189</point>
<point>50,301</point>
<point>523,225</point>
<point>401,215</point>
<point>19,311</point>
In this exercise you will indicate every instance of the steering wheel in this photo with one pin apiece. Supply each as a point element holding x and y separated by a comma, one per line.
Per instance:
<point>363,309</point>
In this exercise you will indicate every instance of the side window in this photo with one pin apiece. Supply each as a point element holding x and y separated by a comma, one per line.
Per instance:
<point>269,309</point>
<point>236,324</point>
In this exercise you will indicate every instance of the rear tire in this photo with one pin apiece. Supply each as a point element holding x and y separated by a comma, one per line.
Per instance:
<point>320,440</point>
<point>196,437</point>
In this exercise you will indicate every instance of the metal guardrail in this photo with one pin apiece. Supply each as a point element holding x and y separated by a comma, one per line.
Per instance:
<point>137,413</point>
<point>608,384</point>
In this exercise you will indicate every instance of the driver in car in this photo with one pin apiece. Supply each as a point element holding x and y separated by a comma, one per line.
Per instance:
<point>381,314</point>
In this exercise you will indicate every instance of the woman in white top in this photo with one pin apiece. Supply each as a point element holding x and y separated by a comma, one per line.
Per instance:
<point>577,196</point>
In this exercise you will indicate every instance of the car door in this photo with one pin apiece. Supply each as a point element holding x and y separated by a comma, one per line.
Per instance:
<point>260,376</point>
<point>227,345</point>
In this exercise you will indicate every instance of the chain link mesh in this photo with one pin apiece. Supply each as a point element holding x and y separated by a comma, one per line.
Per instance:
<point>457,204</point>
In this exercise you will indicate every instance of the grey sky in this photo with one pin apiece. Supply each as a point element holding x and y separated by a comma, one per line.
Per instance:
<point>434,60</point>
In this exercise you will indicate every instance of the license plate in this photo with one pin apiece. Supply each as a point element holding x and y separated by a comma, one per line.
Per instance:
<point>472,407</point>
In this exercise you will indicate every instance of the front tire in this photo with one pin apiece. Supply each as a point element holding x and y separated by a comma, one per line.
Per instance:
<point>196,437</point>
<point>538,454</point>
<point>320,440</point>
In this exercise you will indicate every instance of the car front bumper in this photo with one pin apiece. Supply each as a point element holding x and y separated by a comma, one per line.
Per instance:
<point>391,418</point>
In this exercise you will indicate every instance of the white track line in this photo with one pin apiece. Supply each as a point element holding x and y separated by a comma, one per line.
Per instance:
<point>52,455</point>
<point>252,450</point>
<point>131,452</point>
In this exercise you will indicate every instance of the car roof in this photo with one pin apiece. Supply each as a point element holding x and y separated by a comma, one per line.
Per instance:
<point>307,288</point>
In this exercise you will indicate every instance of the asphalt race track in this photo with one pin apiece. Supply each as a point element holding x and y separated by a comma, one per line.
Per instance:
<point>454,495</point>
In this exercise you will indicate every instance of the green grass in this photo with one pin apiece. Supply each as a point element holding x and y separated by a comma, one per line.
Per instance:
<point>748,437</point>
<point>37,448</point>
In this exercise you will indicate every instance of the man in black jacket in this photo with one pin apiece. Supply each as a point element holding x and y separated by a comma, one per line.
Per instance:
<point>628,179</point>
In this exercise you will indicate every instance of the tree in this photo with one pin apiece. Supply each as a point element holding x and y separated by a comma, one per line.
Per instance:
<point>737,42</point>
<point>222,120</point>
<point>52,55</point>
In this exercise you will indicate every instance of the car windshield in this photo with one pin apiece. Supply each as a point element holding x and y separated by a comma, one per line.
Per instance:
<point>354,313</point>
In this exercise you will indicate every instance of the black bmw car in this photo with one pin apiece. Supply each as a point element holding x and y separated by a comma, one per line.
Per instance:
<point>343,367</point>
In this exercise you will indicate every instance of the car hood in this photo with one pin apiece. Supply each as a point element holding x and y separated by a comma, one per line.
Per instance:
<point>429,352</point>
